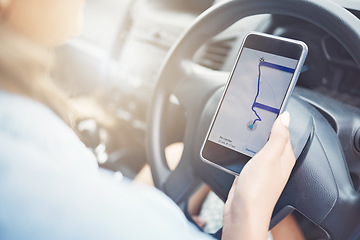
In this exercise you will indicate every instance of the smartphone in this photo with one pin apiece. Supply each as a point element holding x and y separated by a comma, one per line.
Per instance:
<point>257,91</point>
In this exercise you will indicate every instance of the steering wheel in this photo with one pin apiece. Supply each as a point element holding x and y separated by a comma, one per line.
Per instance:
<point>320,186</point>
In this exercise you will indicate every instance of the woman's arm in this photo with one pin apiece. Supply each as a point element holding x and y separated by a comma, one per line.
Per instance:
<point>254,193</point>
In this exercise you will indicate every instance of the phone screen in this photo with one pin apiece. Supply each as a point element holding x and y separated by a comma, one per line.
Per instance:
<point>253,99</point>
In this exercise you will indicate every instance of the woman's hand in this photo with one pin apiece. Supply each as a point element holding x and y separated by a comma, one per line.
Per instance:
<point>254,193</point>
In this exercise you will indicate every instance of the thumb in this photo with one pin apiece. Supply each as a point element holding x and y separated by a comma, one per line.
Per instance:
<point>279,136</point>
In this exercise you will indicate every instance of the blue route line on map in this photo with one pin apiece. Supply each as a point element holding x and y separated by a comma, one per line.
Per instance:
<point>276,66</point>
<point>260,105</point>
<point>265,107</point>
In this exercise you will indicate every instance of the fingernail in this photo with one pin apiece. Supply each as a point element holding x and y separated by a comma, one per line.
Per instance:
<point>285,118</point>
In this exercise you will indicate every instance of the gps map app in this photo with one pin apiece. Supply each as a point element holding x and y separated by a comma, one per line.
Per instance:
<point>252,101</point>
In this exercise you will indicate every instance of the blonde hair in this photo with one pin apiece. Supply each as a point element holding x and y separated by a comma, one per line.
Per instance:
<point>25,68</point>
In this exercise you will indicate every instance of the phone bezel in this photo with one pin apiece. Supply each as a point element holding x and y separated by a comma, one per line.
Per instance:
<point>267,43</point>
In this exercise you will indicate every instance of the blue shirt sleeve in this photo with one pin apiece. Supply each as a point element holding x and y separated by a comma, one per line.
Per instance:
<point>42,199</point>
<point>50,189</point>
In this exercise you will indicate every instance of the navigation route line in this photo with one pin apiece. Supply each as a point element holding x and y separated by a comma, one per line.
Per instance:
<point>260,105</point>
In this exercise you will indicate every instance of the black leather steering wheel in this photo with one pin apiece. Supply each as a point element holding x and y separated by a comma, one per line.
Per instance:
<point>320,186</point>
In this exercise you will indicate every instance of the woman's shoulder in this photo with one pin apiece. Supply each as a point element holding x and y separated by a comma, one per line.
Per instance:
<point>32,123</point>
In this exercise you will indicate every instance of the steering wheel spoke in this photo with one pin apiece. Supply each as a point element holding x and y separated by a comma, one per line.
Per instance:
<point>181,182</point>
<point>195,88</point>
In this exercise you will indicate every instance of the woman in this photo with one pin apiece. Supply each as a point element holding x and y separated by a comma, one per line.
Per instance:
<point>50,185</point>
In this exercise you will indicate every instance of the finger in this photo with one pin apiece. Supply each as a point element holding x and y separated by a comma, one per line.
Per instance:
<point>288,158</point>
<point>232,190</point>
<point>280,129</point>
<point>279,135</point>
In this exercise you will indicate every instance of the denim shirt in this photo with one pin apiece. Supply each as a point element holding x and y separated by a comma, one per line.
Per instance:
<point>52,188</point>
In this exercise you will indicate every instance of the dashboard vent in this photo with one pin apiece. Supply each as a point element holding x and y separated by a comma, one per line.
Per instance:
<point>214,54</point>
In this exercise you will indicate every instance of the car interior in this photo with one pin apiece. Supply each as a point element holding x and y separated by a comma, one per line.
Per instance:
<point>146,77</point>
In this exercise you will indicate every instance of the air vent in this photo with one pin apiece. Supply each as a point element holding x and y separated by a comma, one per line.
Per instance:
<point>214,54</point>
